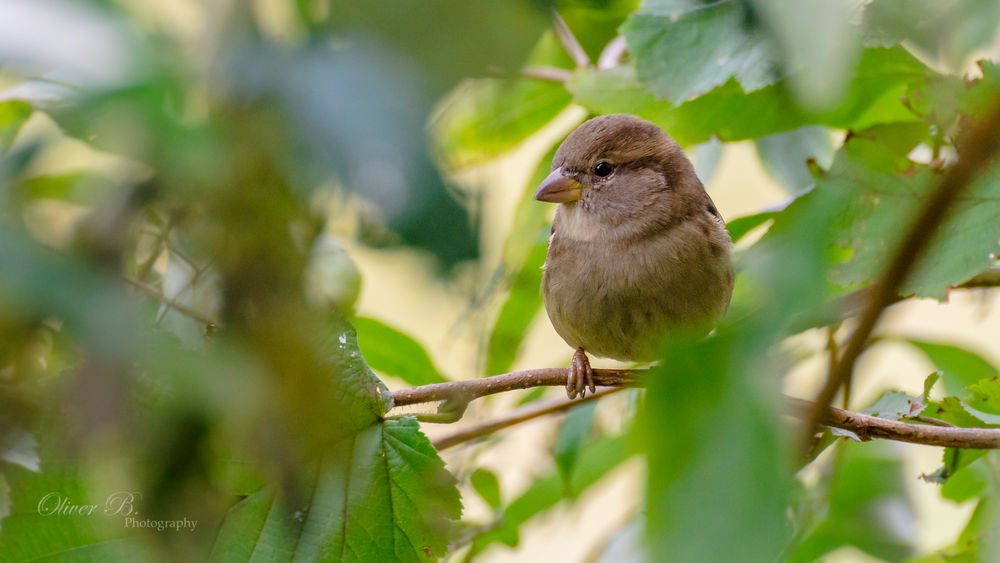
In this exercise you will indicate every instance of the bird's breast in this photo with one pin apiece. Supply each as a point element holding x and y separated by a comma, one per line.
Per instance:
<point>618,298</point>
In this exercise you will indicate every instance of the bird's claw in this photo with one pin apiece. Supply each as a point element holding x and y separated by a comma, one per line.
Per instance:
<point>580,377</point>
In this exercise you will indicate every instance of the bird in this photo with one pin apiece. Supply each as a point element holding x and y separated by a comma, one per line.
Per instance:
<point>637,250</point>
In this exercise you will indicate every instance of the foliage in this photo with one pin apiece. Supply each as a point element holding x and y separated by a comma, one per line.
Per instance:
<point>177,323</point>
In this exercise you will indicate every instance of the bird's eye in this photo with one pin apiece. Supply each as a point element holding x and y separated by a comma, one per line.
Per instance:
<point>603,169</point>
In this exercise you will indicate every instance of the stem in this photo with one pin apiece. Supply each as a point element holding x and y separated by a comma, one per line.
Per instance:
<point>516,417</point>
<point>978,147</point>
<point>865,426</point>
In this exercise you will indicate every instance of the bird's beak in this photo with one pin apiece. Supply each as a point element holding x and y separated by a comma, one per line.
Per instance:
<point>558,188</point>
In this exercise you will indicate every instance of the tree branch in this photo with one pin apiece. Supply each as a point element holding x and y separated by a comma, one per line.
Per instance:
<point>978,147</point>
<point>516,417</point>
<point>171,303</point>
<point>469,389</point>
<point>865,426</point>
<point>612,54</point>
<point>547,73</point>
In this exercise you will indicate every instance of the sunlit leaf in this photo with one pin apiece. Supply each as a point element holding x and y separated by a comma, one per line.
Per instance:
<point>959,366</point>
<point>728,113</point>
<point>13,114</point>
<point>784,155</point>
<point>684,49</point>
<point>389,351</point>
<point>572,437</point>
<point>596,460</point>
<point>381,495</point>
<point>487,486</point>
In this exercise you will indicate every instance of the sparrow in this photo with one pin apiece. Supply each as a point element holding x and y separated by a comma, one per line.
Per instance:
<point>638,249</point>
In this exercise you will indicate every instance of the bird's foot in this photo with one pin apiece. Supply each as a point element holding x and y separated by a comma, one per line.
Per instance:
<point>581,376</point>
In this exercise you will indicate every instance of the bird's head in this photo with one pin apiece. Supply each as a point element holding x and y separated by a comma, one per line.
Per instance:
<point>619,171</point>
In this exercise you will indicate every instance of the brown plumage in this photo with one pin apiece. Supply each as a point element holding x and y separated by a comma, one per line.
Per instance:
<point>637,250</point>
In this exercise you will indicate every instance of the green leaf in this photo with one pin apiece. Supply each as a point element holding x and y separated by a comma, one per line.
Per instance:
<point>573,434</point>
<point>885,189</point>
<point>959,366</point>
<point>714,494</point>
<point>596,460</point>
<point>740,226</point>
<point>985,395</point>
<point>929,382</point>
<point>523,255</point>
<point>894,405</point>
<point>13,114</point>
<point>393,353</point>
<point>866,485</point>
<point>487,116</point>
<point>784,155</point>
<point>36,529</point>
<point>967,482</point>
<point>381,495</point>
<point>951,30</point>
<point>883,76</point>
<point>685,48</point>
<point>487,486</point>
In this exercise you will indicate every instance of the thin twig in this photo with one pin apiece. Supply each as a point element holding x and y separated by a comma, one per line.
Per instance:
<point>156,294</point>
<point>865,426</point>
<point>611,55</point>
<point>516,417</point>
<point>569,41</point>
<point>978,147</point>
<point>470,389</point>
<point>547,73</point>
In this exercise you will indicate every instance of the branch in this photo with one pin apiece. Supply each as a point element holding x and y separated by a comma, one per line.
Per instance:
<point>868,427</point>
<point>978,147</point>
<point>569,41</point>
<point>865,426</point>
<point>547,73</point>
<point>470,389</point>
<point>612,54</point>
<point>516,417</point>
<point>171,303</point>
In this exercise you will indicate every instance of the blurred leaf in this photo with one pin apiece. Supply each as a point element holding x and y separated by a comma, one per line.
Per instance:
<point>19,447</point>
<point>381,495</point>
<point>867,506</point>
<point>706,159</point>
<point>35,530</point>
<point>350,122</point>
<point>967,482</point>
<point>596,460</point>
<point>885,187</point>
<point>519,309</point>
<point>950,30</point>
<point>76,187</point>
<point>486,116</point>
<point>818,43</point>
<point>685,48</point>
<point>13,114</point>
<point>882,77</point>
<point>740,226</point>
<point>451,39</point>
<point>487,486</point>
<point>784,155</point>
<point>392,352</point>
<point>332,278</point>
<point>951,409</point>
<point>959,366</point>
<point>573,435</point>
<point>714,494</point>
<point>523,256</point>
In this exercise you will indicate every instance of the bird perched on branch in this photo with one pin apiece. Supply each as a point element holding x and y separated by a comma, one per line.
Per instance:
<point>637,251</point>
